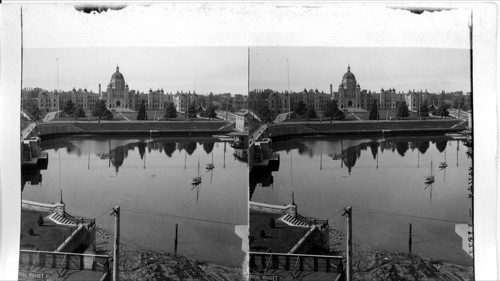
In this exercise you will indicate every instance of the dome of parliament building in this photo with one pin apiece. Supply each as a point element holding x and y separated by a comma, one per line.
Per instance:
<point>349,80</point>
<point>117,81</point>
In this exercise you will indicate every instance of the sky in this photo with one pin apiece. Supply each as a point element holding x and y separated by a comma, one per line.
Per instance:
<point>194,46</point>
<point>204,69</point>
<point>434,69</point>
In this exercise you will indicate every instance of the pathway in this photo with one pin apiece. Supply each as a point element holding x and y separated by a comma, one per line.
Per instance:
<point>126,118</point>
<point>355,116</point>
<point>25,132</point>
<point>50,116</point>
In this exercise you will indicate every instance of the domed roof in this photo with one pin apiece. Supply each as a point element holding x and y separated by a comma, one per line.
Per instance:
<point>117,75</point>
<point>349,80</point>
<point>117,81</point>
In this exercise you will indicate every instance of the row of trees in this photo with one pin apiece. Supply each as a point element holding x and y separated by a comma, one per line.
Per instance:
<point>403,111</point>
<point>171,112</point>
<point>308,112</point>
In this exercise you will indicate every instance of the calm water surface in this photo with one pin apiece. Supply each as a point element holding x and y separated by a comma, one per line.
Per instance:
<point>383,179</point>
<point>151,180</point>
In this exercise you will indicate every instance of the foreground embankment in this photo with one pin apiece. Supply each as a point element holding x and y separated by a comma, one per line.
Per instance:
<point>377,265</point>
<point>140,265</point>
<point>285,130</point>
<point>123,128</point>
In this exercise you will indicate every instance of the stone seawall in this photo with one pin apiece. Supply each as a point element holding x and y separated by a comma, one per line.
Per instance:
<point>122,128</point>
<point>43,207</point>
<point>274,209</point>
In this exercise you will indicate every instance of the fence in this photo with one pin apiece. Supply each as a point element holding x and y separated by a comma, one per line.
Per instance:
<point>62,260</point>
<point>262,262</point>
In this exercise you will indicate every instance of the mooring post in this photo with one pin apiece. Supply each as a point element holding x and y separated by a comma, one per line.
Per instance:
<point>175,242</point>
<point>116,212</point>
<point>348,214</point>
<point>409,241</point>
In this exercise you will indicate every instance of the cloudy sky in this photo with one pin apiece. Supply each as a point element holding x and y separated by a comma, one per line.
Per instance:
<point>374,68</point>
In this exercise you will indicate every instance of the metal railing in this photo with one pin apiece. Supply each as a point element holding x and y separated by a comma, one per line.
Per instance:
<point>61,260</point>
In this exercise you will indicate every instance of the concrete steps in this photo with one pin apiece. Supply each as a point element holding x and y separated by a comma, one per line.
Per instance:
<point>58,219</point>
<point>290,220</point>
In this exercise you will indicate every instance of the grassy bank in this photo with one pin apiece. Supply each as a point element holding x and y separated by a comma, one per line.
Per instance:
<point>81,128</point>
<point>284,130</point>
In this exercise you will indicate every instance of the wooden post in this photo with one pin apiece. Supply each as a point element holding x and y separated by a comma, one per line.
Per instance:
<point>348,212</point>
<point>175,242</point>
<point>116,254</point>
<point>409,241</point>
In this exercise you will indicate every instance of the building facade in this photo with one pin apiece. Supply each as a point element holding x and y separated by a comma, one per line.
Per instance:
<point>349,93</point>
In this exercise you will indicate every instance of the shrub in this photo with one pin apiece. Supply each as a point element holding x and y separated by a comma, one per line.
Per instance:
<point>262,234</point>
<point>272,223</point>
<point>31,232</point>
<point>40,220</point>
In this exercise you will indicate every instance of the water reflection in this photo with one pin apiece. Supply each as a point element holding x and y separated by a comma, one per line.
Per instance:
<point>378,173</point>
<point>153,175</point>
<point>348,151</point>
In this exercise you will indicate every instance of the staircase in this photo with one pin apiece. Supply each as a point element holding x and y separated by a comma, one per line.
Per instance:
<point>292,221</point>
<point>60,220</point>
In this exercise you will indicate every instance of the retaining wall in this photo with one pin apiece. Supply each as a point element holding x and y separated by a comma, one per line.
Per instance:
<point>43,207</point>
<point>314,237</point>
<point>274,209</point>
<point>81,236</point>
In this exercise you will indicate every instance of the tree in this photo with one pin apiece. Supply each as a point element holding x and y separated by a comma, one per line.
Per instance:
<point>424,109</point>
<point>403,110</point>
<point>80,112</point>
<point>374,114</point>
<point>69,108</point>
<point>333,111</point>
<point>35,112</point>
<point>170,111</point>
<point>108,115</point>
<point>99,109</point>
<point>300,108</point>
<point>442,110</point>
<point>210,112</point>
<point>433,110</point>
<point>141,114</point>
<point>191,112</point>
<point>311,113</point>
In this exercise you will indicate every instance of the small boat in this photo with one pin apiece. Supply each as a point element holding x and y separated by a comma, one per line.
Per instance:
<point>443,165</point>
<point>196,180</point>
<point>103,155</point>
<point>337,156</point>
<point>224,137</point>
<point>210,166</point>
<point>429,179</point>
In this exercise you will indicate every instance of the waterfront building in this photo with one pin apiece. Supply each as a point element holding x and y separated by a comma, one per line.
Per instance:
<point>246,117</point>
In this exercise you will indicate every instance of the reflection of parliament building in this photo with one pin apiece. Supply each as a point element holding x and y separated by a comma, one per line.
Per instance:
<point>349,95</point>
